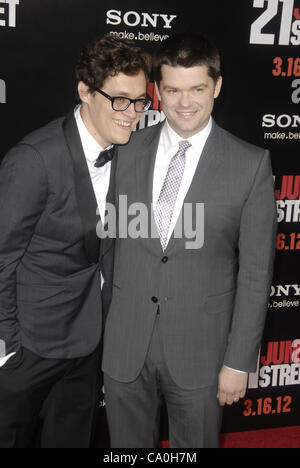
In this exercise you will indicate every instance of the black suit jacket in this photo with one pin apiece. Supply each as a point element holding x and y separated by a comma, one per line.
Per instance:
<point>50,255</point>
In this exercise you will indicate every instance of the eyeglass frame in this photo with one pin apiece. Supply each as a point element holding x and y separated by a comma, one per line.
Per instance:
<point>131,101</point>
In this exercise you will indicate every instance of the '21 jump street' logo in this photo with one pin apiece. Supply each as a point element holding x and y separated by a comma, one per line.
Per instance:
<point>289,33</point>
<point>8,12</point>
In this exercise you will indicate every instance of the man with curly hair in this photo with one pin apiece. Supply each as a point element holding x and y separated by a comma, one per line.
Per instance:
<point>52,185</point>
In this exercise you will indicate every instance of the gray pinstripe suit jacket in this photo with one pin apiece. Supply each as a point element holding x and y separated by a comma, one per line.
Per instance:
<point>213,300</point>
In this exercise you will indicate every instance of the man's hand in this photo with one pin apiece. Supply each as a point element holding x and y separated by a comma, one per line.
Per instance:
<point>232,386</point>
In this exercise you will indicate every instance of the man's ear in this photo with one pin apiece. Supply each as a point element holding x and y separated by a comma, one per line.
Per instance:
<point>218,87</point>
<point>83,91</point>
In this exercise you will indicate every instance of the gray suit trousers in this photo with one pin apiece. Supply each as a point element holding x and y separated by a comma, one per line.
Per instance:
<point>133,409</point>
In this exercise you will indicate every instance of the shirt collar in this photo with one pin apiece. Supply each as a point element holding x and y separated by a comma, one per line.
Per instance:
<point>90,146</point>
<point>171,138</point>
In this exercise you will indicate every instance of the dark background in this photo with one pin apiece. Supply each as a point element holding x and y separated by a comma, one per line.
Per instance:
<point>37,59</point>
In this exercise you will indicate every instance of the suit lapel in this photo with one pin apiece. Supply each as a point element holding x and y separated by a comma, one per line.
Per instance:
<point>211,157</point>
<point>145,166</point>
<point>144,182</point>
<point>200,182</point>
<point>86,200</point>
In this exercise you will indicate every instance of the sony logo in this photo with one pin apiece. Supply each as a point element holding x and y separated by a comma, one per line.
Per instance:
<point>285,290</point>
<point>133,18</point>
<point>282,121</point>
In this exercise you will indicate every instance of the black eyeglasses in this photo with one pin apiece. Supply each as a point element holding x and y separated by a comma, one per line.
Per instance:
<point>120,103</point>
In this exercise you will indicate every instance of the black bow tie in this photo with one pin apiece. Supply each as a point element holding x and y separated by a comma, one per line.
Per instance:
<point>104,157</point>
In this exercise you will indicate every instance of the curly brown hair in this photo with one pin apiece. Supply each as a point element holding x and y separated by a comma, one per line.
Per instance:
<point>106,56</point>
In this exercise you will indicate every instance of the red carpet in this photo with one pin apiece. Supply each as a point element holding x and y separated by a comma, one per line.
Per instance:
<point>283,437</point>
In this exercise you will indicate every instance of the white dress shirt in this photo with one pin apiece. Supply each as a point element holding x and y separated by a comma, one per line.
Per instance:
<point>6,358</point>
<point>100,176</point>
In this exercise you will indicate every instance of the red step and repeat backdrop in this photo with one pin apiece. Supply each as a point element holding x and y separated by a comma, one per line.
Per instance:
<point>259,41</point>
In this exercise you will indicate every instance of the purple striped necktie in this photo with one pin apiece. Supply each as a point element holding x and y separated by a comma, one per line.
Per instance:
<point>167,198</point>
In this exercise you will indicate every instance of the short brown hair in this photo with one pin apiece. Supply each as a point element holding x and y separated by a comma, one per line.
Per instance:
<point>106,56</point>
<point>187,50</point>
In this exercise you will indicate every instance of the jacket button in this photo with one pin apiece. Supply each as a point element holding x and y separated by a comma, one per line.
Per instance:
<point>165,259</point>
<point>154,299</point>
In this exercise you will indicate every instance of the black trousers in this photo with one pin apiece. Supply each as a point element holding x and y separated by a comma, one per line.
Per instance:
<point>58,396</point>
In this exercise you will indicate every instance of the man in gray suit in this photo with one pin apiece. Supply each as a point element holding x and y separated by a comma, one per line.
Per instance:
<point>186,319</point>
<point>51,185</point>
